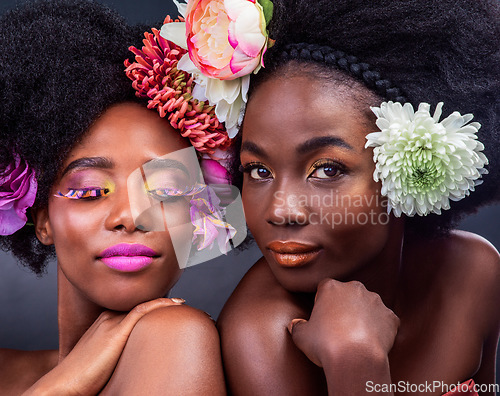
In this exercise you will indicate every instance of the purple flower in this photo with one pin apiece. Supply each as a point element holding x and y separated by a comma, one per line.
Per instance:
<point>217,176</point>
<point>208,220</point>
<point>214,172</point>
<point>17,193</point>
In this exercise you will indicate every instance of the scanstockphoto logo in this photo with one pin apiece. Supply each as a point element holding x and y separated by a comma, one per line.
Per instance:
<point>332,209</point>
<point>440,387</point>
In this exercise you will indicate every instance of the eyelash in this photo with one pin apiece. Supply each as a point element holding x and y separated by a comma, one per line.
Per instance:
<point>173,194</point>
<point>248,168</point>
<point>162,194</point>
<point>322,163</point>
<point>84,193</point>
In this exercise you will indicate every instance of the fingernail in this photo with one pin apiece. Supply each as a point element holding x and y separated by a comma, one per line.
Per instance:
<point>210,316</point>
<point>291,324</point>
<point>178,300</point>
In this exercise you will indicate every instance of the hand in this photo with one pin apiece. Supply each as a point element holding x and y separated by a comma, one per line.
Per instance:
<point>347,322</point>
<point>90,364</point>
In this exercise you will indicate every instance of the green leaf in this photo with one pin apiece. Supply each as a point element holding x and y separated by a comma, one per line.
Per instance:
<point>267,7</point>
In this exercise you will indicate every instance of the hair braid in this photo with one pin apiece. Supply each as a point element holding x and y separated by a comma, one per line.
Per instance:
<point>347,63</point>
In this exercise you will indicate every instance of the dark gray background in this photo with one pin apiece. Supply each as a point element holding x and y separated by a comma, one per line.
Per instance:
<point>28,318</point>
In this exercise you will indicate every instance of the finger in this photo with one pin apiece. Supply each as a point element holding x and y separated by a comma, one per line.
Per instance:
<point>291,326</point>
<point>130,320</point>
<point>298,330</point>
<point>324,285</point>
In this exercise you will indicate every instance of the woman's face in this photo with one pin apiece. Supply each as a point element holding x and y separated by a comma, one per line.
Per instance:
<point>308,192</point>
<point>101,251</point>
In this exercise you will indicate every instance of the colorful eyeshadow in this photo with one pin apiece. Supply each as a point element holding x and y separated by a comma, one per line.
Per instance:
<point>174,192</point>
<point>84,193</point>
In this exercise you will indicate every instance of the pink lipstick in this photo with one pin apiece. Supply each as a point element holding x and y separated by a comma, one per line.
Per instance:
<point>127,257</point>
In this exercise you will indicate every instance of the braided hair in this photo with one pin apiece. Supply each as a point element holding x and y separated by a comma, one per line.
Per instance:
<point>404,51</point>
<point>343,62</point>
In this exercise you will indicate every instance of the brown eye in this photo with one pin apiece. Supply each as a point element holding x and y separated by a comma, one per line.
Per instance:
<point>327,170</point>
<point>259,173</point>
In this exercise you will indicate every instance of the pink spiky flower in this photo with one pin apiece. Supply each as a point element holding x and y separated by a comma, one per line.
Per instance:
<point>155,75</point>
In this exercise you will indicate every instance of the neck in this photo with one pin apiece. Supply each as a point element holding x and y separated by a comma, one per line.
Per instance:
<point>75,314</point>
<point>382,275</point>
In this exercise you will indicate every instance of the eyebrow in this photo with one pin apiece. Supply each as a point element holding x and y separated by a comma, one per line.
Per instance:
<point>89,162</point>
<point>162,163</point>
<point>307,146</point>
<point>253,148</point>
<point>322,141</point>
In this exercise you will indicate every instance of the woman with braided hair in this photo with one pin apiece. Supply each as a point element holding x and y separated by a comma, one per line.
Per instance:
<point>352,183</point>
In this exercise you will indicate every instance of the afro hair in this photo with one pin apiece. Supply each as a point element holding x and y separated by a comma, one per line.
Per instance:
<point>62,67</point>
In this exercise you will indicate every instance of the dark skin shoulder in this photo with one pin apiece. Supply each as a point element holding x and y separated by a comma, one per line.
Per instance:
<point>253,328</point>
<point>447,302</point>
<point>179,346</point>
<point>21,369</point>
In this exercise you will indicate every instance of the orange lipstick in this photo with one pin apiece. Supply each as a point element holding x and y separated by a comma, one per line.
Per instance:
<point>293,254</point>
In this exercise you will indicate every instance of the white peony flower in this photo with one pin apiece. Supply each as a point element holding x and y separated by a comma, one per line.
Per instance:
<point>423,163</point>
<point>228,96</point>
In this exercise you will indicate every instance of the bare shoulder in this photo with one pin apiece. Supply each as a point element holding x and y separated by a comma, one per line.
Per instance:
<point>180,329</point>
<point>479,264</point>
<point>257,296</point>
<point>256,313</point>
<point>457,254</point>
<point>474,245</point>
<point>21,369</point>
<point>171,350</point>
<point>467,254</point>
<point>465,271</point>
<point>253,328</point>
<point>173,319</point>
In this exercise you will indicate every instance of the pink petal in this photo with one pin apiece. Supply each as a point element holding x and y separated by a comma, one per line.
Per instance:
<point>241,64</point>
<point>232,35</point>
<point>250,38</point>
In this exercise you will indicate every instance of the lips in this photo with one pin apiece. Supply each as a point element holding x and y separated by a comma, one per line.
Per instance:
<point>293,254</point>
<point>127,257</point>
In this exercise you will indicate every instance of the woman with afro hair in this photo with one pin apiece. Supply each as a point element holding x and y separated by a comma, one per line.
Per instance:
<point>73,134</point>
<point>352,184</point>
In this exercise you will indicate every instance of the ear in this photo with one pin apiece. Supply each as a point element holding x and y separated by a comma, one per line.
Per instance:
<point>43,228</point>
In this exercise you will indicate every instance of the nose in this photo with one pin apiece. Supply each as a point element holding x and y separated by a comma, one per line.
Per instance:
<point>288,207</point>
<point>119,217</point>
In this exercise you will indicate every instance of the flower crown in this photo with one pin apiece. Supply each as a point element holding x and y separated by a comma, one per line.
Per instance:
<point>197,69</point>
<point>155,75</point>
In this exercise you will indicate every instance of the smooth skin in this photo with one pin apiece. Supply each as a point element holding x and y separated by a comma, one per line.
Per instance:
<point>116,334</point>
<point>372,305</point>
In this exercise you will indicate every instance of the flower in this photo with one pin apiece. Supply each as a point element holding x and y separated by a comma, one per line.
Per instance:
<point>226,40</point>
<point>155,75</point>
<point>18,188</point>
<point>207,216</point>
<point>229,96</point>
<point>214,172</point>
<point>423,163</point>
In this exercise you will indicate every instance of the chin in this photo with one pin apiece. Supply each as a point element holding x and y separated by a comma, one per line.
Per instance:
<point>295,281</point>
<point>125,302</point>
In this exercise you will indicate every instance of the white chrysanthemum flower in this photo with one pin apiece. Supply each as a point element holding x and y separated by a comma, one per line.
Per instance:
<point>423,163</point>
